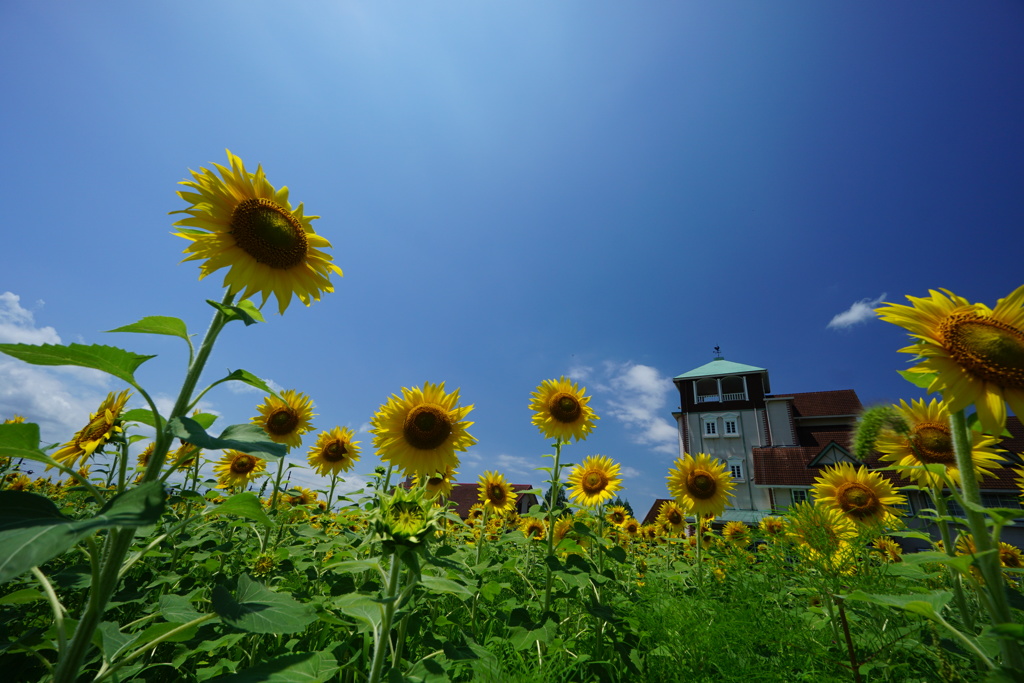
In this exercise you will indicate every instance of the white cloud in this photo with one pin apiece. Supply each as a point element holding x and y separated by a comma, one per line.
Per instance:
<point>858,312</point>
<point>580,373</point>
<point>17,324</point>
<point>637,397</point>
<point>629,472</point>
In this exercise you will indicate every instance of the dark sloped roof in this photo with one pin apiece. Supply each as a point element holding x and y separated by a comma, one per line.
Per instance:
<point>467,495</point>
<point>824,403</point>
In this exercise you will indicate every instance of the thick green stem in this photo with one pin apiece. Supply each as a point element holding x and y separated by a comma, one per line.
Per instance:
<point>947,545</point>
<point>555,488</point>
<point>383,634</point>
<point>988,562</point>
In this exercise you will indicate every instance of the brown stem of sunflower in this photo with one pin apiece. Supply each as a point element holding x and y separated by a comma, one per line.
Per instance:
<point>988,555</point>
<point>849,639</point>
<point>947,545</point>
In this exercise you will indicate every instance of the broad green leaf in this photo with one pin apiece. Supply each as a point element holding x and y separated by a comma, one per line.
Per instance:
<point>157,324</point>
<point>928,605</point>
<point>205,420</point>
<point>257,609</point>
<point>437,584</point>
<point>248,378</point>
<point>360,607</point>
<point>109,359</point>
<point>177,609</point>
<point>33,530</point>
<point>245,311</point>
<point>111,641</point>
<point>21,597</point>
<point>22,441</point>
<point>140,415</point>
<point>919,379</point>
<point>245,504</point>
<point>354,566</point>
<point>301,667</point>
<point>961,563</point>
<point>247,438</point>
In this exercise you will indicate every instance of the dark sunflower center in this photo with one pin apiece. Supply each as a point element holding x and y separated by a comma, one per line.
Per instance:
<point>594,482</point>
<point>989,349</point>
<point>434,482</point>
<point>282,422</point>
<point>427,426</point>
<point>243,464</point>
<point>335,451</point>
<point>96,430</point>
<point>674,517</point>
<point>565,407</point>
<point>269,233</point>
<point>618,517</point>
<point>497,494</point>
<point>933,443</point>
<point>701,484</point>
<point>858,500</point>
<point>1010,559</point>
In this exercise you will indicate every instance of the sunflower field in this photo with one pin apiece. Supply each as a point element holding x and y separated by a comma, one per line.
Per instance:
<point>195,559</point>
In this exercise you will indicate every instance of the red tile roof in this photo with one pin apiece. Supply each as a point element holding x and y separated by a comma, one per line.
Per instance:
<point>467,495</point>
<point>824,403</point>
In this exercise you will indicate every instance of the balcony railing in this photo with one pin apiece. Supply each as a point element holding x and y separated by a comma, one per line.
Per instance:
<point>715,398</point>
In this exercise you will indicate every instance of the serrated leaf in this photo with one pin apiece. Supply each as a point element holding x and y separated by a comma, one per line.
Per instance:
<point>928,605</point>
<point>257,609</point>
<point>109,359</point>
<point>245,311</point>
<point>157,324</point>
<point>248,378</point>
<point>21,597</point>
<point>301,667</point>
<point>33,530</point>
<point>245,504</point>
<point>246,438</point>
<point>177,609</point>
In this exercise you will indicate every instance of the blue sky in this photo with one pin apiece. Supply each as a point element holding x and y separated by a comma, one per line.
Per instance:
<point>515,191</point>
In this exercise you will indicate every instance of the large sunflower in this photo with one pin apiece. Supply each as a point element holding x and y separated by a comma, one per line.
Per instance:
<point>237,469</point>
<point>974,353</point>
<point>930,442</point>
<point>421,431</point>
<point>286,419</point>
<point>595,481</point>
<point>560,410</point>
<point>103,425</point>
<point>240,221</point>
<point>334,452</point>
<point>495,493</point>
<point>860,494</point>
<point>701,484</point>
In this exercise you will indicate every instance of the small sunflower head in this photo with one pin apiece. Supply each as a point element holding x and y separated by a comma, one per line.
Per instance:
<point>594,481</point>
<point>495,493</point>
<point>862,495</point>
<point>561,410</point>
<point>334,452</point>
<point>286,418</point>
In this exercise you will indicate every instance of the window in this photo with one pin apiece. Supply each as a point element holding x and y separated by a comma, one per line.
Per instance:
<point>989,500</point>
<point>706,390</point>
<point>734,389</point>
<point>711,427</point>
<point>737,471</point>
<point>729,427</point>
<point>799,495</point>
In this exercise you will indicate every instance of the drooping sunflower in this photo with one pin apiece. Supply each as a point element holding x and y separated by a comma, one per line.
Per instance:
<point>495,493</point>
<point>888,549</point>
<point>860,494</point>
<point>286,419</point>
<point>146,454</point>
<point>334,452</point>
<point>929,442</point>
<point>563,525</point>
<point>241,222</point>
<point>422,431</point>
<point>974,353</point>
<point>701,484</point>
<point>824,534</point>
<point>561,411</point>
<point>237,469</point>
<point>440,484</point>
<point>1010,556</point>
<point>595,481</point>
<point>672,515</point>
<point>617,515</point>
<point>103,425</point>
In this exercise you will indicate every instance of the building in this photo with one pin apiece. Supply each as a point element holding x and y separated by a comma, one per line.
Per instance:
<point>776,445</point>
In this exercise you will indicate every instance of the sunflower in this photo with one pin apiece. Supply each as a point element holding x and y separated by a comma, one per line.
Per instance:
<point>563,525</point>
<point>617,515</point>
<point>286,419</point>
<point>771,526</point>
<point>17,419</point>
<point>496,494</point>
<point>237,469</point>
<point>304,497</point>
<point>595,481</point>
<point>240,221</point>
<point>475,513</point>
<point>440,484</point>
<point>735,532</point>
<point>1010,556</point>
<point>972,354</point>
<point>421,431</point>
<point>145,455</point>
<point>560,410</point>
<point>631,526</point>
<point>18,482</point>
<point>103,425</point>
<point>1020,476</point>
<point>862,495</point>
<point>824,534</point>
<point>931,442</point>
<point>185,456</point>
<point>534,528</point>
<point>672,516</point>
<point>334,452</point>
<point>701,484</point>
<point>888,549</point>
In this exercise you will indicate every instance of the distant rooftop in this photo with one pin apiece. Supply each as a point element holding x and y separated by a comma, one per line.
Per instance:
<point>719,367</point>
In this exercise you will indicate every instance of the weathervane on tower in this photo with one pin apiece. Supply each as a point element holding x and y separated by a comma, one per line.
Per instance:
<point>718,352</point>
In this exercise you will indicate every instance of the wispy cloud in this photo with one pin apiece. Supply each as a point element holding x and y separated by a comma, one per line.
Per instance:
<point>858,312</point>
<point>637,395</point>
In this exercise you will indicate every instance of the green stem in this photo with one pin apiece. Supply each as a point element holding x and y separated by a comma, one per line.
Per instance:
<point>849,640</point>
<point>383,633</point>
<point>55,605</point>
<point>330,494</point>
<point>988,562</point>
<point>555,488</point>
<point>947,545</point>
